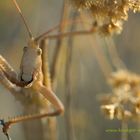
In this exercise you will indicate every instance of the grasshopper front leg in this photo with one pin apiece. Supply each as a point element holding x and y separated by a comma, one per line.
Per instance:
<point>50,96</point>
<point>7,84</point>
<point>9,73</point>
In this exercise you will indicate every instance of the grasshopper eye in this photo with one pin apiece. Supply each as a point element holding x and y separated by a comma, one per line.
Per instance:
<point>25,48</point>
<point>39,51</point>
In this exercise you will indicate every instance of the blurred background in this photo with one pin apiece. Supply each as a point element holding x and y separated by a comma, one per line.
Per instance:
<point>80,69</point>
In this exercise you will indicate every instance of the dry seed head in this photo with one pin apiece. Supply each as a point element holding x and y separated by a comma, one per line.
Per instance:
<point>124,102</point>
<point>110,28</point>
<point>109,110</point>
<point>106,11</point>
<point>122,77</point>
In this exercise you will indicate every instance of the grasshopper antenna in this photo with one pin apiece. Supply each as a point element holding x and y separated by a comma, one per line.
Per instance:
<point>24,20</point>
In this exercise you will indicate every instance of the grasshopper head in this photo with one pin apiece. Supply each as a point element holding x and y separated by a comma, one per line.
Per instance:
<point>31,62</point>
<point>31,59</point>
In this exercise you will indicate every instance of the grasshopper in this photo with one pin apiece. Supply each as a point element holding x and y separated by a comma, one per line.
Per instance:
<point>29,80</point>
<point>28,86</point>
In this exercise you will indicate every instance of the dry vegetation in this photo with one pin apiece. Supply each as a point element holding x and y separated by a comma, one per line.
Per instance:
<point>109,14</point>
<point>89,26</point>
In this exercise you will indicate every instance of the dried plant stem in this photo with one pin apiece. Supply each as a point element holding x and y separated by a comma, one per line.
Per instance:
<point>102,60</point>
<point>49,127</point>
<point>124,126</point>
<point>45,67</point>
<point>68,118</point>
<point>59,41</point>
<point>31,127</point>
<point>117,62</point>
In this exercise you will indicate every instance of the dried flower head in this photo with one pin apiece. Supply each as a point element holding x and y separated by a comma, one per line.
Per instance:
<point>110,14</point>
<point>123,77</point>
<point>124,102</point>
